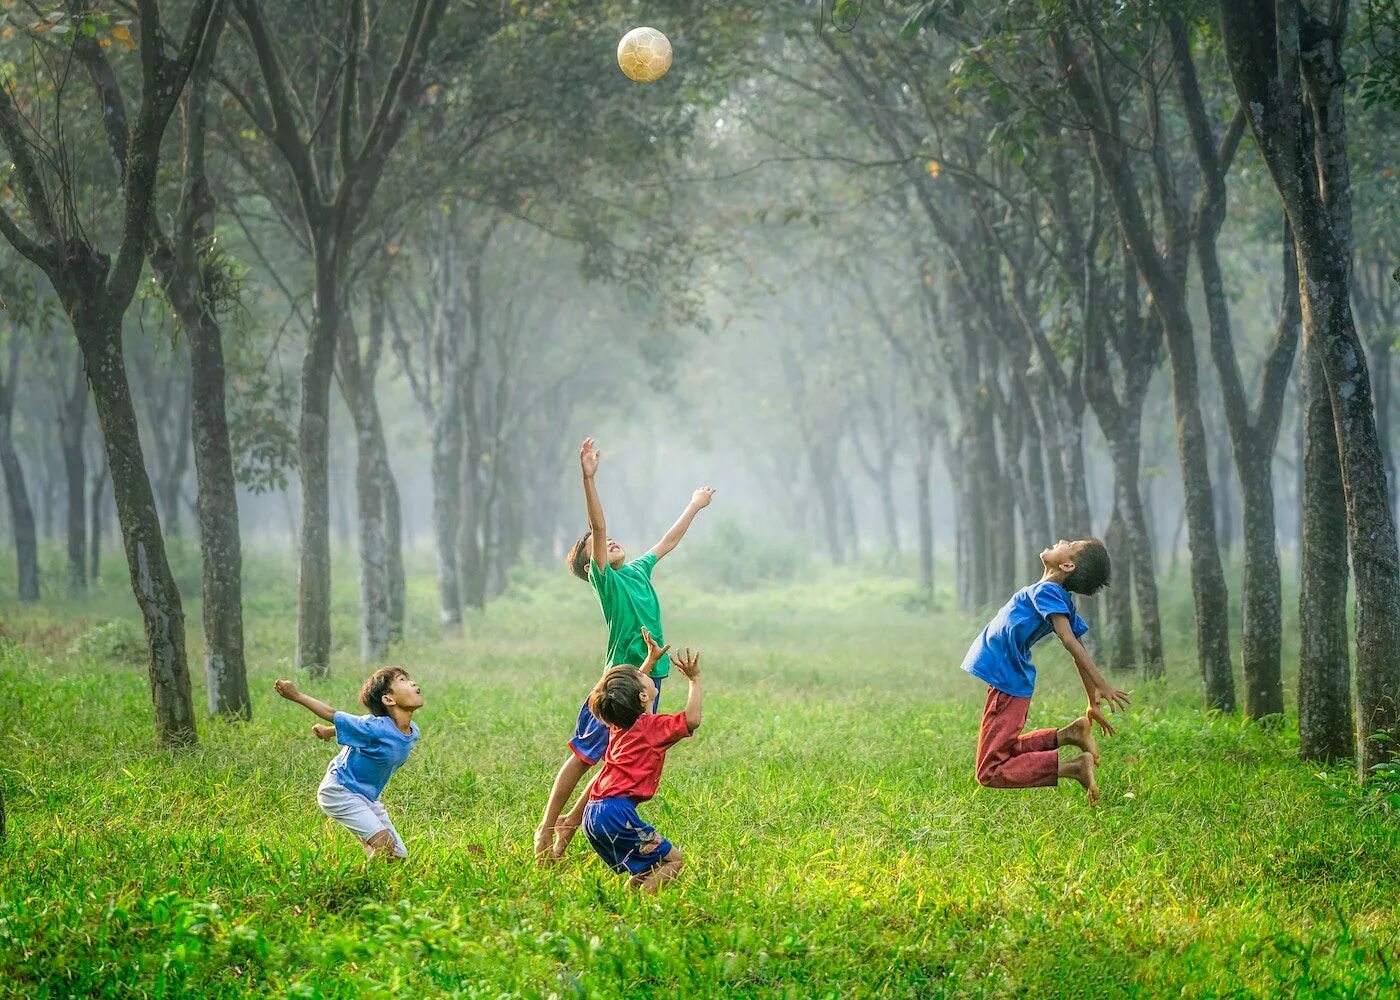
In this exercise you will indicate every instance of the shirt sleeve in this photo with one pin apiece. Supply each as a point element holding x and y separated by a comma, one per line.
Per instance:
<point>1052,599</point>
<point>602,578</point>
<point>645,564</point>
<point>355,730</point>
<point>668,730</point>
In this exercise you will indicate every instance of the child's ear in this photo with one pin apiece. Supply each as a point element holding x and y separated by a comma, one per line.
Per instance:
<point>387,701</point>
<point>1067,566</point>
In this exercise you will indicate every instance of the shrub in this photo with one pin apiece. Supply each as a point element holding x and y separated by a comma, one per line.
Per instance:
<point>118,641</point>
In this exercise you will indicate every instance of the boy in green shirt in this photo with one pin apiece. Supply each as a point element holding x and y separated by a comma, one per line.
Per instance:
<point>629,604</point>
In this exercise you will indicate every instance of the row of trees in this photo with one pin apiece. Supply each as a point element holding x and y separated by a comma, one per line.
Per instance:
<point>988,234</point>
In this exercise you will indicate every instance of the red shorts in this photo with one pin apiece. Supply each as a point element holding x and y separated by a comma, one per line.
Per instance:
<point>1006,758</point>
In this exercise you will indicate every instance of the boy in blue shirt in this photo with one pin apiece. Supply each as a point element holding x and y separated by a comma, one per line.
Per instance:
<point>1001,657</point>
<point>375,746</point>
<point>630,606</point>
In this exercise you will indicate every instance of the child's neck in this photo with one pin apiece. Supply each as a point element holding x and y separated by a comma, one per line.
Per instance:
<point>1053,574</point>
<point>403,718</point>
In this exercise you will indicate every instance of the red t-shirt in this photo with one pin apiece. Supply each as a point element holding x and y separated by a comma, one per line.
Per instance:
<point>632,765</point>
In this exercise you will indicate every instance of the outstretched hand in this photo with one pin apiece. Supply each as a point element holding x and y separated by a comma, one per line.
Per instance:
<point>1116,699</point>
<point>688,664</point>
<point>287,689</point>
<point>702,497</point>
<point>588,457</point>
<point>1096,716</point>
<point>654,652</point>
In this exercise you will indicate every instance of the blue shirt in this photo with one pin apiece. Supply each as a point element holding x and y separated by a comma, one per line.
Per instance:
<point>1001,655</point>
<point>374,750</point>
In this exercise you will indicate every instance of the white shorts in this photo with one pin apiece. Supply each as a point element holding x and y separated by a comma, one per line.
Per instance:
<point>361,816</point>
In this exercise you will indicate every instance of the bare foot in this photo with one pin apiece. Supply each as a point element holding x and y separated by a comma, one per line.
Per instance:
<point>544,845</point>
<point>563,833</point>
<point>1081,769</point>
<point>1080,733</point>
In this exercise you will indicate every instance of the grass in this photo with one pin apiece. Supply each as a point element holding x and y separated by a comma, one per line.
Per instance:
<point>838,844</point>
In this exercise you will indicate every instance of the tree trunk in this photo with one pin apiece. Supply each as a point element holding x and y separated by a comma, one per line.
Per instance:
<point>99,337</point>
<point>1261,597</point>
<point>923,507</point>
<point>21,513</point>
<point>1270,48</point>
<point>314,557</point>
<point>72,425</point>
<point>1324,666</point>
<point>1224,498</point>
<point>447,500</point>
<point>1144,574</point>
<point>1208,588</point>
<point>1119,604</point>
<point>97,500</point>
<point>225,670</point>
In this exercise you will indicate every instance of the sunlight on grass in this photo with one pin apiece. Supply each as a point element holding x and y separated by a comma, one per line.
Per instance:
<point>838,844</point>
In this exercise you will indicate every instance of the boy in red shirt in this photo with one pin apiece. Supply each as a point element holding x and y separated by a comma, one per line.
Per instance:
<point>637,745</point>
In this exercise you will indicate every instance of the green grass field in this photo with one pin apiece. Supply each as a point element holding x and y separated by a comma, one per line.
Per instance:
<point>837,842</point>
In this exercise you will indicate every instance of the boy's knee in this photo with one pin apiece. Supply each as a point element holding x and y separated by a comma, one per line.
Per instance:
<point>985,776</point>
<point>675,860</point>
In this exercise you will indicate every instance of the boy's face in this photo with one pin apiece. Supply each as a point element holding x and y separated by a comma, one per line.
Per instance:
<point>617,555</point>
<point>648,695</point>
<point>404,693</point>
<point>1062,555</point>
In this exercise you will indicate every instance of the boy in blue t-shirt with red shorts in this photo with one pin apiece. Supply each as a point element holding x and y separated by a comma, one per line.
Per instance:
<point>1001,657</point>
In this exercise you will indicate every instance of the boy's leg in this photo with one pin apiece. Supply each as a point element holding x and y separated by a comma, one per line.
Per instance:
<point>1006,758</point>
<point>665,870</point>
<point>390,845</point>
<point>565,782</point>
<point>359,815</point>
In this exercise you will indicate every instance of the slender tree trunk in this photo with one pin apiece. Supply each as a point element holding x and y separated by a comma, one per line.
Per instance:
<point>151,580</point>
<point>1224,498</point>
<point>177,464</point>
<point>216,499</point>
<point>447,500</point>
<point>923,507</point>
<point>21,513</point>
<point>97,500</point>
<point>314,562</point>
<point>71,428</point>
<point>1261,597</point>
<point>1208,588</point>
<point>1119,603</point>
<point>1324,656</point>
<point>1144,576</point>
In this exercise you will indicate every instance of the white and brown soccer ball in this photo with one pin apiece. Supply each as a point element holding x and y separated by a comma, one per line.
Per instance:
<point>644,55</point>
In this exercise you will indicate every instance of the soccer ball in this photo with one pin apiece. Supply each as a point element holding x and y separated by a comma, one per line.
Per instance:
<point>644,55</point>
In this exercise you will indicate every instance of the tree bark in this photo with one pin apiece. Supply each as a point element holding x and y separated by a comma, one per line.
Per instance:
<point>1165,276</point>
<point>923,504</point>
<point>72,425</point>
<point>97,499</point>
<point>21,513</point>
<point>99,337</point>
<point>1324,656</point>
<point>1120,597</point>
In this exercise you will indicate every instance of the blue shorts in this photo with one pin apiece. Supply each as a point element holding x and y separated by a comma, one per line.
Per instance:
<point>590,740</point>
<point>625,842</point>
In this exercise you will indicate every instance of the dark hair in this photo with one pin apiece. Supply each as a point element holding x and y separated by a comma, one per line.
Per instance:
<point>377,686</point>
<point>579,556</point>
<point>617,699</point>
<point>1092,569</point>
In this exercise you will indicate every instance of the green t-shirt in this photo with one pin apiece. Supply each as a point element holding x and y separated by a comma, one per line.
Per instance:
<point>629,602</point>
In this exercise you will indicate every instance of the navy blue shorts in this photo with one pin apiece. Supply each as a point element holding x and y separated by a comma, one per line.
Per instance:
<point>626,843</point>
<point>590,740</point>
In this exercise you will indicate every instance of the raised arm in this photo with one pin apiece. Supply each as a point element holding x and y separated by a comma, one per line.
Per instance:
<point>699,500</point>
<point>1095,687</point>
<point>588,457</point>
<point>689,664</point>
<point>288,690</point>
<point>654,652</point>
